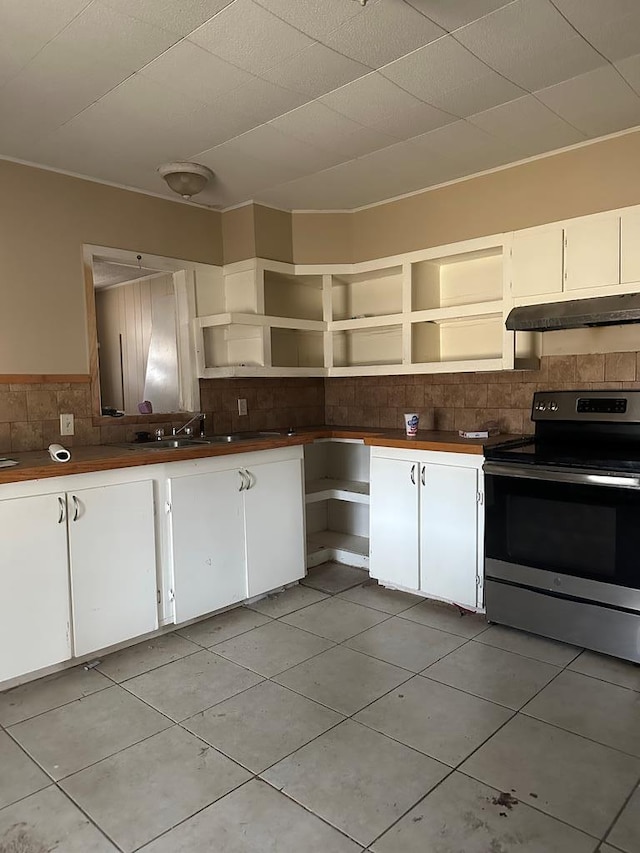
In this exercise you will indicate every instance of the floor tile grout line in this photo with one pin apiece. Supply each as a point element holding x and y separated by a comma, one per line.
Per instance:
<point>62,705</point>
<point>619,814</point>
<point>89,817</point>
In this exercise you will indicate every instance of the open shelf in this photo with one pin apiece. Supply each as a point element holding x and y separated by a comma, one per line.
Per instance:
<point>233,345</point>
<point>367,294</point>
<point>471,278</point>
<point>466,339</point>
<point>360,347</point>
<point>342,547</point>
<point>296,348</point>
<point>330,489</point>
<point>296,296</point>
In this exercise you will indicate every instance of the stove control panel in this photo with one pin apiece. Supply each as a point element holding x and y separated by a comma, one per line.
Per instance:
<point>587,406</point>
<point>602,406</point>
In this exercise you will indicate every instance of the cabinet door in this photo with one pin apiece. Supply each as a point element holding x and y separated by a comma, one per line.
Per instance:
<point>113,564</point>
<point>630,247</point>
<point>34,628</point>
<point>274,523</point>
<point>207,542</point>
<point>537,261</point>
<point>592,253</point>
<point>394,522</point>
<point>449,533</point>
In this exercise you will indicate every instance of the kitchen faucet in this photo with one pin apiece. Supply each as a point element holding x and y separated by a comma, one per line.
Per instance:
<point>185,427</point>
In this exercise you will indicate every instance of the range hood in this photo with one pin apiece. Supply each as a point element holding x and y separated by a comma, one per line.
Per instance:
<point>576,314</point>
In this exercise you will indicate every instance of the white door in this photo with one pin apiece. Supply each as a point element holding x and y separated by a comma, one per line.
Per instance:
<point>34,626</point>
<point>113,564</point>
<point>630,247</point>
<point>207,543</point>
<point>537,261</point>
<point>274,525</point>
<point>393,517</point>
<point>449,533</point>
<point>592,253</point>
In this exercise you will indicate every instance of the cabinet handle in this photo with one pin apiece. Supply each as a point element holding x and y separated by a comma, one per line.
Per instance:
<point>246,483</point>
<point>413,473</point>
<point>76,508</point>
<point>423,475</point>
<point>61,509</point>
<point>242,481</point>
<point>251,480</point>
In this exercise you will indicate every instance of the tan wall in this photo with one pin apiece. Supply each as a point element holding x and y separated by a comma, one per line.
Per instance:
<point>238,234</point>
<point>274,239</point>
<point>597,177</point>
<point>45,218</point>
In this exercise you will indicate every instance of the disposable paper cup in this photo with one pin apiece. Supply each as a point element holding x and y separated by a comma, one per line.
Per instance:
<point>411,422</point>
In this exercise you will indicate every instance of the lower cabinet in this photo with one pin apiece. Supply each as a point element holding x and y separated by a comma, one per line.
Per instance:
<point>235,533</point>
<point>35,628</point>
<point>426,523</point>
<point>78,571</point>
<point>112,556</point>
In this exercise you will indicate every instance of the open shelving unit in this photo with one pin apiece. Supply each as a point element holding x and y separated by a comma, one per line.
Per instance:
<point>432,311</point>
<point>337,502</point>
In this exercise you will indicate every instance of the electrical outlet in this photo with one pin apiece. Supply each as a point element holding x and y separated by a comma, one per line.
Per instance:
<point>242,406</point>
<point>66,424</point>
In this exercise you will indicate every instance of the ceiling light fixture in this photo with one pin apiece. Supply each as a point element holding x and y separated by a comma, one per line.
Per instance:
<point>184,178</point>
<point>362,2</point>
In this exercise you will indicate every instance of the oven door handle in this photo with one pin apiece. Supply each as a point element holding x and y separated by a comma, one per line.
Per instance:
<point>555,475</point>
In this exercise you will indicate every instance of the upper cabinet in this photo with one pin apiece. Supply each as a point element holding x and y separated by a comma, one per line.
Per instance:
<point>591,256</point>
<point>592,252</point>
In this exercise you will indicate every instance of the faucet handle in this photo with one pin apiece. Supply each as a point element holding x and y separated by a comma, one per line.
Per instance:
<point>159,434</point>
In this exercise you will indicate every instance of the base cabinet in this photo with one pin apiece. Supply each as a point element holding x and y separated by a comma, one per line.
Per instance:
<point>426,524</point>
<point>112,558</point>
<point>235,534</point>
<point>35,629</point>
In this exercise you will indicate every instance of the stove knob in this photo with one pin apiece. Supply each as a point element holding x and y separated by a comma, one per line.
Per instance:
<point>553,406</point>
<point>541,406</point>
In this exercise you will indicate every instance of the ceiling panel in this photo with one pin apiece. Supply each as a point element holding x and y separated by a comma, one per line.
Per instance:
<point>597,103</point>
<point>249,36</point>
<point>373,101</point>
<point>530,43</point>
<point>527,127</point>
<point>630,70</point>
<point>28,26</point>
<point>315,71</point>
<point>180,18</point>
<point>450,77</point>
<point>190,69</point>
<point>317,19</point>
<point>612,27</point>
<point>384,31</point>
<point>284,152</point>
<point>315,123</point>
<point>413,122</point>
<point>451,14</point>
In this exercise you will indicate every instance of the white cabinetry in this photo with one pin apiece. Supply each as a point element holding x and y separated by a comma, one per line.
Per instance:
<point>630,246</point>
<point>427,523</point>
<point>35,624</point>
<point>78,569</point>
<point>236,529</point>
<point>537,261</point>
<point>592,252</point>
<point>113,564</point>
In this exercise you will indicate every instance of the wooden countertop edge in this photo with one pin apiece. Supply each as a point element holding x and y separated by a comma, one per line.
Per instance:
<point>36,465</point>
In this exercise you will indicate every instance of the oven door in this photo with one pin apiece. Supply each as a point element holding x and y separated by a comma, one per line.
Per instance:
<point>571,532</point>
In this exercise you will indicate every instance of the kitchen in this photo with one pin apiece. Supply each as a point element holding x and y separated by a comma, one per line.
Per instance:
<point>46,357</point>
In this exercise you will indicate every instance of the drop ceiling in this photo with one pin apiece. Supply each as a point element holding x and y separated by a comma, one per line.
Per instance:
<point>311,104</point>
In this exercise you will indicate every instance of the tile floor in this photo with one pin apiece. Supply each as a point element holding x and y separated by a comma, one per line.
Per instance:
<point>334,717</point>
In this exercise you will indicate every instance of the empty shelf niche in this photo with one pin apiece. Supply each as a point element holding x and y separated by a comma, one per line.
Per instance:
<point>457,280</point>
<point>363,347</point>
<point>338,530</point>
<point>337,470</point>
<point>467,339</point>
<point>298,297</point>
<point>296,348</point>
<point>370,294</point>
<point>233,345</point>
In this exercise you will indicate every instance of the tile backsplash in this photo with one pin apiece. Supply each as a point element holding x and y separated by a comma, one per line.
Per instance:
<point>29,412</point>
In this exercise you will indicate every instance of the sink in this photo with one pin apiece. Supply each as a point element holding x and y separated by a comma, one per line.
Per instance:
<point>168,443</point>
<point>229,437</point>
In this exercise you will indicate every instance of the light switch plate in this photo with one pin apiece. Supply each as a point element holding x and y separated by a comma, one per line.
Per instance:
<point>66,424</point>
<point>242,406</point>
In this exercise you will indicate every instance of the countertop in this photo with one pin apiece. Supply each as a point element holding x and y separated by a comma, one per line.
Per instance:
<point>37,464</point>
